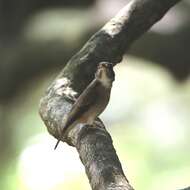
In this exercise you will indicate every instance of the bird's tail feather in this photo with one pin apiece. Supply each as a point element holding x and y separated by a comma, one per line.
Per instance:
<point>57,144</point>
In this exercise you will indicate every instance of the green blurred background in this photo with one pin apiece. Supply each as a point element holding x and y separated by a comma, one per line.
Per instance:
<point>148,115</point>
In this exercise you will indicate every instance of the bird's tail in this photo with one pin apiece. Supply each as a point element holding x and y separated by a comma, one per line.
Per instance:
<point>57,144</point>
<point>66,124</point>
<point>62,135</point>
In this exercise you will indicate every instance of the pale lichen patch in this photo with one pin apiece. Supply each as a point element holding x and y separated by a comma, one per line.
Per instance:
<point>115,25</point>
<point>62,87</point>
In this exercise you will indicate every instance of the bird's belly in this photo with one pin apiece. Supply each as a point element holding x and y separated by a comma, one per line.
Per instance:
<point>94,112</point>
<point>88,117</point>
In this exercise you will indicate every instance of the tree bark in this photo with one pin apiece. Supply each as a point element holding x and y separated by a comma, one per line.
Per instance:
<point>93,143</point>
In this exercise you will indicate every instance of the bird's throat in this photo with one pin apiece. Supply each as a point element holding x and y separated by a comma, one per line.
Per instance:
<point>105,80</point>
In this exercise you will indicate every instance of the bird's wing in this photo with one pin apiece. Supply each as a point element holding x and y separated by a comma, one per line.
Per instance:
<point>83,103</point>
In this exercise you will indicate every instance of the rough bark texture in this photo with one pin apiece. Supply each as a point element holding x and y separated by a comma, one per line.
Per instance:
<point>93,143</point>
<point>187,188</point>
<point>101,164</point>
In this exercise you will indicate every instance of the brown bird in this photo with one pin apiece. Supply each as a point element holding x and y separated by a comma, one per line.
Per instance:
<point>93,100</point>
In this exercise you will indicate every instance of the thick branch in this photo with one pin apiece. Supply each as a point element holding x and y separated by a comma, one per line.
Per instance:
<point>187,188</point>
<point>98,155</point>
<point>109,44</point>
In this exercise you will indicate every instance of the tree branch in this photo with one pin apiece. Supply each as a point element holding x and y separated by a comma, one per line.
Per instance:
<point>187,188</point>
<point>94,144</point>
<point>100,160</point>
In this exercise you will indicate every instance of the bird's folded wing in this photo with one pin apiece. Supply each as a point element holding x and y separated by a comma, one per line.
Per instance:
<point>84,102</point>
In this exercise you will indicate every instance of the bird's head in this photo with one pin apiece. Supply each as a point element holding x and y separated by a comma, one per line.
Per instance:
<point>105,73</point>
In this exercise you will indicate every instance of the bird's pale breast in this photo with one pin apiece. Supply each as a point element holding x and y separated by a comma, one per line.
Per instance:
<point>101,101</point>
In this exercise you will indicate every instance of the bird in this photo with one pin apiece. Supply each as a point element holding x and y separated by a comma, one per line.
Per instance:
<point>92,101</point>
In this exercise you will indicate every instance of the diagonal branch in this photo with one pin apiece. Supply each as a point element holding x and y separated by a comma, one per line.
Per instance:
<point>187,188</point>
<point>94,144</point>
